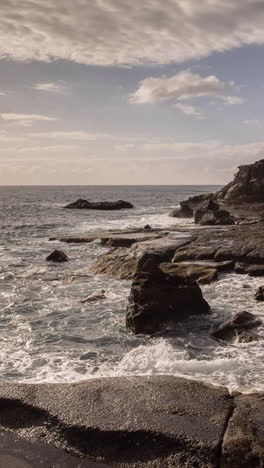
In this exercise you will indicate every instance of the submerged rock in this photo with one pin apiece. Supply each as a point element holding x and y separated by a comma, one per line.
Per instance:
<point>259,296</point>
<point>95,296</point>
<point>111,205</point>
<point>236,326</point>
<point>157,298</point>
<point>57,256</point>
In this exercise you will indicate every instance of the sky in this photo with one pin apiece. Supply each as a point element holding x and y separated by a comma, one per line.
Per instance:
<point>97,92</point>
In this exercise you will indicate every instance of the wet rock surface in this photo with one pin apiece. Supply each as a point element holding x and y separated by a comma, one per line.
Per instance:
<point>139,422</point>
<point>105,205</point>
<point>157,298</point>
<point>259,296</point>
<point>57,256</point>
<point>237,326</point>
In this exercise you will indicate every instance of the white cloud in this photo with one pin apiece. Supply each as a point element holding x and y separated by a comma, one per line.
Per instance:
<point>25,120</point>
<point>131,32</point>
<point>73,135</point>
<point>232,100</point>
<point>55,88</point>
<point>184,85</point>
<point>253,122</point>
<point>188,110</point>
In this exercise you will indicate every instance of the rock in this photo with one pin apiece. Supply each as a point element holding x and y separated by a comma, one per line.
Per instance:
<point>184,211</point>
<point>243,440</point>
<point>187,207</point>
<point>235,243</point>
<point>209,213</point>
<point>246,337</point>
<point>251,270</point>
<point>112,205</point>
<point>259,296</point>
<point>147,227</point>
<point>238,324</point>
<point>247,186</point>
<point>57,256</point>
<point>133,422</point>
<point>95,296</point>
<point>112,238</point>
<point>157,298</point>
<point>121,263</point>
<point>202,274</point>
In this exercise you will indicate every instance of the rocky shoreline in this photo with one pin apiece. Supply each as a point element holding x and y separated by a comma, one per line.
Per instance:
<point>161,421</point>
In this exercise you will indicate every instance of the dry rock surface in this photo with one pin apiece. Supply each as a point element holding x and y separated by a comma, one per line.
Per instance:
<point>138,422</point>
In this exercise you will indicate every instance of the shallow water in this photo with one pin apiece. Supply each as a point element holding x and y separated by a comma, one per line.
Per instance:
<point>48,335</point>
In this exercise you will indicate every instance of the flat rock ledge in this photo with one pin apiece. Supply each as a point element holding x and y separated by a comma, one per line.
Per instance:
<point>157,421</point>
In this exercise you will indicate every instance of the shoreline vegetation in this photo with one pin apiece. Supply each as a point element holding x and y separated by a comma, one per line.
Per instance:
<point>162,421</point>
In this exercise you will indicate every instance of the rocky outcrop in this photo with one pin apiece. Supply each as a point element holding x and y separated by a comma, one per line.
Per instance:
<point>57,256</point>
<point>156,298</point>
<point>210,214</point>
<point>237,243</point>
<point>241,199</point>
<point>86,205</point>
<point>237,326</point>
<point>134,422</point>
<point>112,238</point>
<point>188,206</point>
<point>247,186</point>
<point>121,263</point>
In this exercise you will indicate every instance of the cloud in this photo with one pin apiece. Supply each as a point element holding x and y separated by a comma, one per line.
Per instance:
<point>55,88</point>
<point>253,122</point>
<point>155,32</point>
<point>73,135</point>
<point>232,100</point>
<point>183,86</point>
<point>26,120</point>
<point>188,110</point>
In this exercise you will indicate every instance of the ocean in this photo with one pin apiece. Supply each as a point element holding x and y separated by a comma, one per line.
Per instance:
<point>48,335</point>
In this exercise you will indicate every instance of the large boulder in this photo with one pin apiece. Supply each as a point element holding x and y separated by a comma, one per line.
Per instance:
<point>236,326</point>
<point>111,205</point>
<point>247,186</point>
<point>156,298</point>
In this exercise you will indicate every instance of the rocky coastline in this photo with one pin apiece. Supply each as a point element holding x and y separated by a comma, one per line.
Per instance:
<point>161,421</point>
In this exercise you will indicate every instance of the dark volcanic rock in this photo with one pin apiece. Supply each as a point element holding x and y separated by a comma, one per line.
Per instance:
<point>57,256</point>
<point>157,298</point>
<point>259,296</point>
<point>86,205</point>
<point>247,186</point>
<point>238,324</point>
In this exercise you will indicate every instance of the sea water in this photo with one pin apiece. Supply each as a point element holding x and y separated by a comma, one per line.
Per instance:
<point>48,335</point>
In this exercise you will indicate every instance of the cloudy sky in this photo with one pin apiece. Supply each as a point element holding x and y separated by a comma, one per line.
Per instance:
<point>130,92</point>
